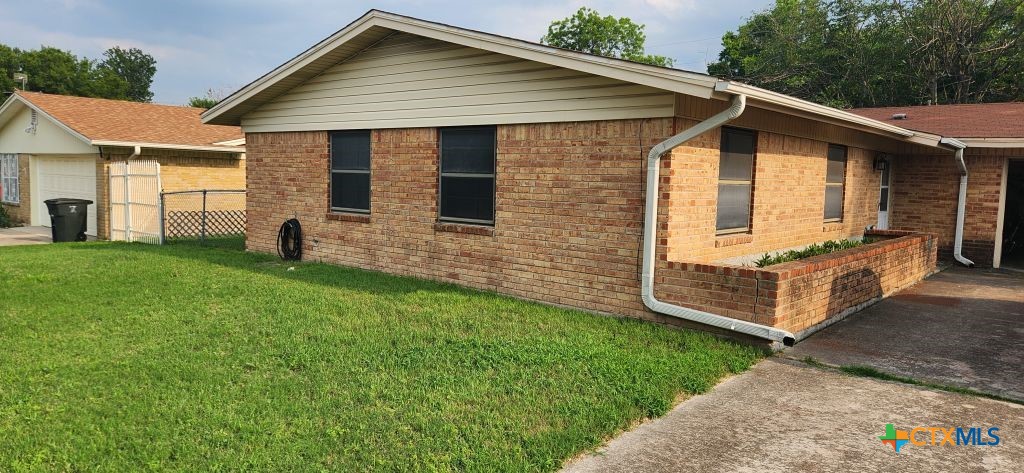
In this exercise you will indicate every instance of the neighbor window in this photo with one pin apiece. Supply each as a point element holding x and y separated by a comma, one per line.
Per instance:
<point>467,174</point>
<point>350,171</point>
<point>9,178</point>
<point>735,180</point>
<point>835,179</point>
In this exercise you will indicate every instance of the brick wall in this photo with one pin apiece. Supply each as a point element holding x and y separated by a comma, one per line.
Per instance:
<point>179,170</point>
<point>800,295</point>
<point>568,217</point>
<point>925,190</point>
<point>569,210</point>
<point>21,213</point>
<point>788,202</point>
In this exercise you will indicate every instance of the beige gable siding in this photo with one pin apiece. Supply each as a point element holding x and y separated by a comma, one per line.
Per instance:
<point>407,81</point>
<point>49,138</point>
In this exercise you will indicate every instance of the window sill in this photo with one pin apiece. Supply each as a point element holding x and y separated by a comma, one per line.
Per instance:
<point>832,226</point>
<point>463,228</point>
<point>13,204</point>
<point>347,217</point>
<point>722,241</point>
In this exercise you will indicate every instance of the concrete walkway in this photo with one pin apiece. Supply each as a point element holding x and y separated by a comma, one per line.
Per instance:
<point>24,236</point>
<point>788,416</point>
<point>961,327</point>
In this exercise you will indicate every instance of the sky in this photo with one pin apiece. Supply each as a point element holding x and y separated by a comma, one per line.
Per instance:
<point>225,44</point>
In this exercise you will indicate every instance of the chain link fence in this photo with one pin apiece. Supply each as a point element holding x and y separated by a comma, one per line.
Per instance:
<point>202,214</point>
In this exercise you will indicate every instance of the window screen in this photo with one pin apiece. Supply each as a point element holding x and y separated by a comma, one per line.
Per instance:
<point>9,178</point>
<point>350,171</point>
<point>467,174</point>
<point>835,180</point>
<point>735,180</point>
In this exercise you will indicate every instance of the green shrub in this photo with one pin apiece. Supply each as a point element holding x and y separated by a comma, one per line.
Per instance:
<point>812,250</point>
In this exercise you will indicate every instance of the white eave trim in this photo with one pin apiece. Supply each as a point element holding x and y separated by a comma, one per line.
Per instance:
<point>993,142</point>
<point>132,144</point>
<point>238,142</point>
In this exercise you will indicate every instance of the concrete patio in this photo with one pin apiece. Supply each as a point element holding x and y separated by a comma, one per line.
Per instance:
<point>24,236</point>
<point>961,327</point>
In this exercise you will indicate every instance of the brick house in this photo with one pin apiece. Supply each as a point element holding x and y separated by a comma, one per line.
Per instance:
<point>423,149</point>
<point>993,228</point>
<point>61,146</point>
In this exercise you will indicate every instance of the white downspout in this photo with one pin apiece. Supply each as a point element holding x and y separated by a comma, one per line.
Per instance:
<point>739,103</point>
<point>961,203</point>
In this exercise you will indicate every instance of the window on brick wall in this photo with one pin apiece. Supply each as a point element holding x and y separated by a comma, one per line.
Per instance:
<point>350,171</point>
<point>735,180</point>
<point>467,161</point>
<point>9,178</point>
<point>835,182</point>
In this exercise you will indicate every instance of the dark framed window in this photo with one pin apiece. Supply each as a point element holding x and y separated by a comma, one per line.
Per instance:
<point>467,163</point>
<point>350,171</point>
<point>835,182</point>
<point>735,180</point>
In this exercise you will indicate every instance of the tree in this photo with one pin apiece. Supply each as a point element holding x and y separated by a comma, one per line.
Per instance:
<point>856,53</point>
<point>589,32</point>
<point>135,67</point>
<point>211,98</point>
<point>124,75</point>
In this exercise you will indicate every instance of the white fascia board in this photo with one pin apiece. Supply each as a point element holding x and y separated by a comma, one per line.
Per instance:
<point>794,103</point>
<point>993,142</point>
<point>132,144</point>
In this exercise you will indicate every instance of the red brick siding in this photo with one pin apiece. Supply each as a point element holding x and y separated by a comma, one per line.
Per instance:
<point>568,217</point>
<point>801,294</point>
<point>925,190</point>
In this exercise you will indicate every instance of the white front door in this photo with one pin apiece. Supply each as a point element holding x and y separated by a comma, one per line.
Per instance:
<point>64,177</point>
<point>884,197</point>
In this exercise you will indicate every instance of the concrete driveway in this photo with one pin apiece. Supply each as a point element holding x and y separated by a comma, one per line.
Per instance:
<point>961,327</point>
<point>784,415</point>
<point>24,236</point>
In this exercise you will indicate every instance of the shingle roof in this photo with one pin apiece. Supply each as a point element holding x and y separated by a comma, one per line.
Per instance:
<point>132,122</point>
<point>987,120</point>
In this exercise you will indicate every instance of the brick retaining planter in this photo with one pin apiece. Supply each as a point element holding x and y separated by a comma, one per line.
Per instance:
<point>802,296</point>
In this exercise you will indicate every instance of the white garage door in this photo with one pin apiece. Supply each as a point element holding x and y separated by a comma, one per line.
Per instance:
<point>65,177</point>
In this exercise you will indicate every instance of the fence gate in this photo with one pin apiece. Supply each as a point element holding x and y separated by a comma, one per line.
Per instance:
<point>135,201</point>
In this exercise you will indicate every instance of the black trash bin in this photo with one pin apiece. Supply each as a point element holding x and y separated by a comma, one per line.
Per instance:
<point>69,218</point>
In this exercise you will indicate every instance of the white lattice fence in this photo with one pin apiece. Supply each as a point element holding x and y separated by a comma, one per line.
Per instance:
<point>135,201</point>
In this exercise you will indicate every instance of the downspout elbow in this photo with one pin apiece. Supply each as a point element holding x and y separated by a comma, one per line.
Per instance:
<point>961,204</point>
<point>736,108</point>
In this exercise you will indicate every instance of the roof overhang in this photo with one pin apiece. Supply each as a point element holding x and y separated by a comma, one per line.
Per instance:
<point>15,102</point>
<point>376,25</point>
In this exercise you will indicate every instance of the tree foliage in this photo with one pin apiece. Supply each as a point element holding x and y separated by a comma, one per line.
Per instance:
<point>587,31</point>
<point>135,67</point>
<point>212,97</point>
<point>123,74</point>
<point>857,53</point>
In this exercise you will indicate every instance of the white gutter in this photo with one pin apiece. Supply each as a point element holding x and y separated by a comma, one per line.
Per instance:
<point>129,144</point>
<point>739,103</point>
<point>961,203</point>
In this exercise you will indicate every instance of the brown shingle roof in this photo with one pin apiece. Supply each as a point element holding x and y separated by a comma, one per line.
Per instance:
<point>134,122</point>
<point>986,120</point>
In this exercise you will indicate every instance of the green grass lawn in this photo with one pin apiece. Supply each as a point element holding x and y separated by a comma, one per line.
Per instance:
<point>119,357</point>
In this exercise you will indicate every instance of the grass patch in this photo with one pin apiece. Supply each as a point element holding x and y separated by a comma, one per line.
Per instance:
<point>127,356</point>
<point>229,242</point>
<point>872,372</point>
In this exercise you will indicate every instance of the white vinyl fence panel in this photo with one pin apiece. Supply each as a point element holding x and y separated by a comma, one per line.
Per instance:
<point>135,201</point>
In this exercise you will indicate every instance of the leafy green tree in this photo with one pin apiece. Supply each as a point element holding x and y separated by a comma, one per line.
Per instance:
<point>207,101</point>
<point>855,53</point>
<point>135,67</point>
<point>587,31</point>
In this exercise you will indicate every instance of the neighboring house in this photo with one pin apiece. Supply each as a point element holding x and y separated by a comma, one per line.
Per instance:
<point>924,199</point>
<point>61,146</point>
<point>423,149</point>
